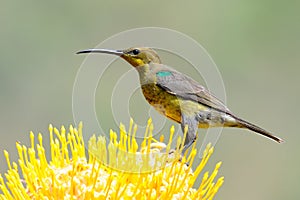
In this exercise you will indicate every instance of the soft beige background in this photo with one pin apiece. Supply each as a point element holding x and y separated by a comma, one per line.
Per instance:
<point>254,43</point>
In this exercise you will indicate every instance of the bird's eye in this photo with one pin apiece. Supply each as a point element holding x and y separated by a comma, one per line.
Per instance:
<point>135,51</point>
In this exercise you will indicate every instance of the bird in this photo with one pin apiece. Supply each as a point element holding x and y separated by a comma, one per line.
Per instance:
<point>178,96</point>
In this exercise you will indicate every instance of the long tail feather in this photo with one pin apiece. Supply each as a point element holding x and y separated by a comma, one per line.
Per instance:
<point>257,129</point>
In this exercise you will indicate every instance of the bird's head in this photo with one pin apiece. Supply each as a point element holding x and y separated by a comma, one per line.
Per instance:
<point>137,57</point>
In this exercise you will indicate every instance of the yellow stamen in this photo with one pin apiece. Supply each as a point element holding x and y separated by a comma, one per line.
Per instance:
<point>116,171</point>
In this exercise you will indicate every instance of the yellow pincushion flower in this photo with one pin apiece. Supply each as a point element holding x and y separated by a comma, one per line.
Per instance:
<point>119,170</point>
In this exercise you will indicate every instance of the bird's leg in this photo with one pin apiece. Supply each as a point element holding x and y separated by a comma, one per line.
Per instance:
<point>192,126</point>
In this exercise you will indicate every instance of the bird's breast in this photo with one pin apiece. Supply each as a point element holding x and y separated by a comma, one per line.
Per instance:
<point>164,102</point>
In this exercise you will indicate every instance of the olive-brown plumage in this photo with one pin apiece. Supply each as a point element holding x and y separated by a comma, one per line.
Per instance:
<point>178,96</point>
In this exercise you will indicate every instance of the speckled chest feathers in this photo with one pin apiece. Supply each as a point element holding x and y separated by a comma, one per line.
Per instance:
<point>165,103</point>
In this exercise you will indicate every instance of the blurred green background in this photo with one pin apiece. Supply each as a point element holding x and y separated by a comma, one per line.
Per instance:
<point>255,44</point>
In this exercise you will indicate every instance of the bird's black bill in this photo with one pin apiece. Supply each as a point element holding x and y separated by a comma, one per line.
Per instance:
<point>107,51</point>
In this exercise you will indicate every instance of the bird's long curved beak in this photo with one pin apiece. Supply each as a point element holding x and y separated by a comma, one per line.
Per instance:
<point>107,51</point>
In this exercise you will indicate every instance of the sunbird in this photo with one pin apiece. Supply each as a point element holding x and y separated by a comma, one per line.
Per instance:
<point>179,97</point>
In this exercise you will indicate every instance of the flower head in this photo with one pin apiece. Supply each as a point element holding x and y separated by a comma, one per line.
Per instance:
<point>119,170</point>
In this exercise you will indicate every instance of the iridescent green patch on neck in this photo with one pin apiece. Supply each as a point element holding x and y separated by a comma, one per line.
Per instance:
<point>163,73</point>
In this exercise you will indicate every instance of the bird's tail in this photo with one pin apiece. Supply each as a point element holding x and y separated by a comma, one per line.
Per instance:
<point>248,125</point>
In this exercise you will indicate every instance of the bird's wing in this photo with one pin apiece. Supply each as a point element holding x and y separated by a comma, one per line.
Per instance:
<point>185,87</point>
